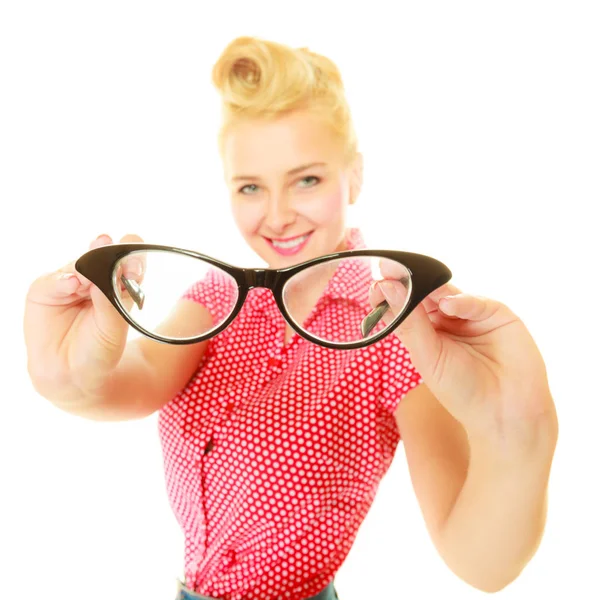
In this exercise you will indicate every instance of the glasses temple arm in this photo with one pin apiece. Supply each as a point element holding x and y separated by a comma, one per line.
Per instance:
<point>135,291</point>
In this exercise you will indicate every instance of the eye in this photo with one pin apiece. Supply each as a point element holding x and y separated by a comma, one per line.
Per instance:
<point>317,180</point>
<point>241,190</point>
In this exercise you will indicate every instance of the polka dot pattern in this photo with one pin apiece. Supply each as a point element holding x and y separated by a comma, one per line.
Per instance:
<point>273,452</point>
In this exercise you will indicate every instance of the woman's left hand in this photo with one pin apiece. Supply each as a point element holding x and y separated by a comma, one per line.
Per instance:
<point>477,358</point>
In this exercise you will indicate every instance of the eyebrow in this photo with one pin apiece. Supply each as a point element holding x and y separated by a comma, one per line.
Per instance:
<point>291,172</point>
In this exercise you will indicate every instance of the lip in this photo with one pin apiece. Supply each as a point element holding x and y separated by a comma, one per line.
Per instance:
<point>293,237</point>
<point>289,251</point>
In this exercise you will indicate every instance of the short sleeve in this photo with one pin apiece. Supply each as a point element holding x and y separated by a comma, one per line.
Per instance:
<point>398,374</point>
<point>217,291</point>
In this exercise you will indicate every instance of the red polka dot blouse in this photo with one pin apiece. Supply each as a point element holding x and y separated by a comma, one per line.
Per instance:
<point>273,452</point>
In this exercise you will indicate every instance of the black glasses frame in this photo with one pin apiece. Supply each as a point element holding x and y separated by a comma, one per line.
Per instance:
<point>427,274</point>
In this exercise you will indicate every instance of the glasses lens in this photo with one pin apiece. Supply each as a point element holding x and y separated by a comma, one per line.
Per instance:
<point>336,301</point>
<point>163,292</point>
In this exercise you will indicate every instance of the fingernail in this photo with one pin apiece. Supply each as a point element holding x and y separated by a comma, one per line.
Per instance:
<point>64,276</point>
<point>447,305</point>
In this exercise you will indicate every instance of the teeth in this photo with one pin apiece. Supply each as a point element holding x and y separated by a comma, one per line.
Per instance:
<point>290,243</point>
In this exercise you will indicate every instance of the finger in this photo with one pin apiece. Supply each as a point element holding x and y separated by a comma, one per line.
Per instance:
<point>392,269</point>
<point>83,289</point>
<point>134,265</point>
<point>108,320</point>
<point>477,309</point>
<point>59,286</point>
<point>431,302</point>
<point>400,295</point>
<point>101,240</point>
<point>64,272</point>
<point>376,296</point>
<point>130,275</point>
<point>131,237</point>
<point>416,333</point>
<point>56,288</point>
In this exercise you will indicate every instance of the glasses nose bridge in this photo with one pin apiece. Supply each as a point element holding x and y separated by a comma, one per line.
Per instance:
<point>257,278</point>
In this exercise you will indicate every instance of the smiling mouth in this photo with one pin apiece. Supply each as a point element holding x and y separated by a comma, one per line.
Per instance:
<point>289,246</point>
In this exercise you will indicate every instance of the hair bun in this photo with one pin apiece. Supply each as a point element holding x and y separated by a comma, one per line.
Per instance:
<point>263,78</point>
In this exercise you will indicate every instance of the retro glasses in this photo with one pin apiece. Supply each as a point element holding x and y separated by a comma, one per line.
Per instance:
<point>330,300</point>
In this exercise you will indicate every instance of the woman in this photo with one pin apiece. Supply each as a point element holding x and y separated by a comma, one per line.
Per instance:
<point>274,447</point>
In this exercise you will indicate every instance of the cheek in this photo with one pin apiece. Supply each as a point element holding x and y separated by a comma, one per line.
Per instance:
<point>246,216</point>
<point>329,207</point>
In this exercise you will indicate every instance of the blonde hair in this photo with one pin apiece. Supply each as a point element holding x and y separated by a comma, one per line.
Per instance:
<point>263,79</point>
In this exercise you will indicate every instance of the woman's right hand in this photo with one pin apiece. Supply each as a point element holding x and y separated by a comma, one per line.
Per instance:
<point>75,338</point>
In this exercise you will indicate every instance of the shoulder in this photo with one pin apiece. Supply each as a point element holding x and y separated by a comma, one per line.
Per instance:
<point>399,376</point>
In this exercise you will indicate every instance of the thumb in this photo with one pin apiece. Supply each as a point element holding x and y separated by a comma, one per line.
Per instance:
<point>416,332</point>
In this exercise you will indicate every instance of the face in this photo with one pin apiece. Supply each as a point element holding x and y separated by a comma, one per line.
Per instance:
<point>289,187</point>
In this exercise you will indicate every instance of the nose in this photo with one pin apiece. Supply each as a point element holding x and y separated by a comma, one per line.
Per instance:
<point>280,213</point>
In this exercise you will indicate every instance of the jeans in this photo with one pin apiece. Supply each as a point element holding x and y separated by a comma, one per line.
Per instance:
<point>184,593</point>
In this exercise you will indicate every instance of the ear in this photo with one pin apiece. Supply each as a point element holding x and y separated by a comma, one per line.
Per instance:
<point>356,177</point>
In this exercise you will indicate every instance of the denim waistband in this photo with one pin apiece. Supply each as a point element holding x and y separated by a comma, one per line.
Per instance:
<point>184,593</point>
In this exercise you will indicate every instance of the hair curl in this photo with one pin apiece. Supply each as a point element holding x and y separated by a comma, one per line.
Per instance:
<point>263,79</point>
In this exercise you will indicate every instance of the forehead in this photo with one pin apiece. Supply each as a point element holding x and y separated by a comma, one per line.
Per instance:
<point>257,146</point>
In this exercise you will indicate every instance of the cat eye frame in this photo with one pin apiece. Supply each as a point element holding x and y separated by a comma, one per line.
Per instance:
<point>346,279</point>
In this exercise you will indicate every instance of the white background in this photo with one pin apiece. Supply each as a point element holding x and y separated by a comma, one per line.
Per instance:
<point>479,123</point>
